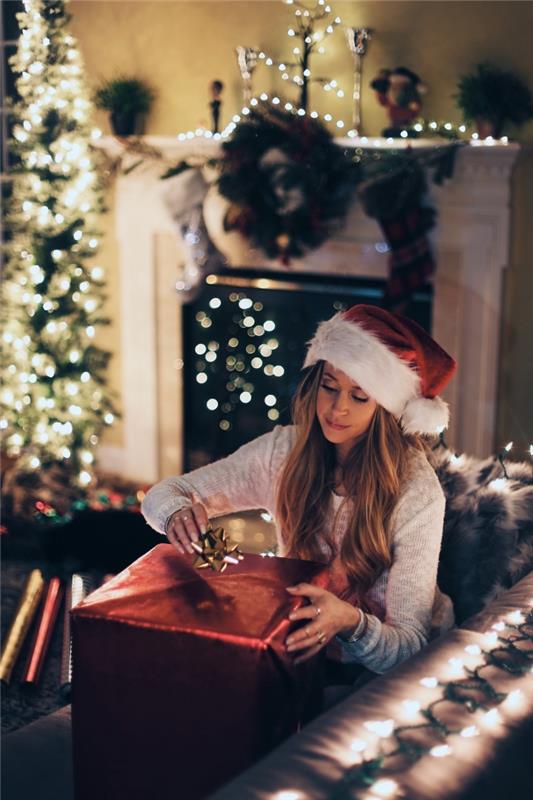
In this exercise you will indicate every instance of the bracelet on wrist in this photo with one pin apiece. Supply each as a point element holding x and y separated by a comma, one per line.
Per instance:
<point>359,631</point>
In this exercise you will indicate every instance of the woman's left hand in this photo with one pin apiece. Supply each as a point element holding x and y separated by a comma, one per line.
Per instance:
<point>328,616</point>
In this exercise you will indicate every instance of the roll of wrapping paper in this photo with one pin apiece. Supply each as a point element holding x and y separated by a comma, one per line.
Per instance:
<point>43,633</point>
<point>28,604</point>
<point>79,587</point>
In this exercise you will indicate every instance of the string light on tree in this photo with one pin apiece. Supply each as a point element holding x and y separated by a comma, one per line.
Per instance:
<point>53,372</point>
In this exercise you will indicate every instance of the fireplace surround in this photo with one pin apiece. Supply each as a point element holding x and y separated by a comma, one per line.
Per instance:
<point>472,246</point>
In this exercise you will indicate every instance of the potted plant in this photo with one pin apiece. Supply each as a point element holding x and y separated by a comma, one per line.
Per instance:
<point>127,99</point>
<point>490,97</point>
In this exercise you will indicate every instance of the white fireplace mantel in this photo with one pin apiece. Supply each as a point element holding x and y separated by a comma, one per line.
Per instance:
<point>472,245</point>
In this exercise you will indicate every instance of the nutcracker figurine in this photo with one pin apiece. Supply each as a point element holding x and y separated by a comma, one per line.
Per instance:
<point>400,91</point>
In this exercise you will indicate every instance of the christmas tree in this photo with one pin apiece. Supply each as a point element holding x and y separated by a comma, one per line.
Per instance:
<point>53,375</point>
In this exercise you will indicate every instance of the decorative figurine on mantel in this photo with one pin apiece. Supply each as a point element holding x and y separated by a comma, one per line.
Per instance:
<point>400,91</point>
<point>247,61</point>
<point>215,89</point>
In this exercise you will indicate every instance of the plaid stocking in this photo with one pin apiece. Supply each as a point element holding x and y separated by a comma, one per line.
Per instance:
<point>411,260</point>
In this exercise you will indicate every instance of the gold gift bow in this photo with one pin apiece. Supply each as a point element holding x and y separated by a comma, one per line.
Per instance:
<point>216,550</point>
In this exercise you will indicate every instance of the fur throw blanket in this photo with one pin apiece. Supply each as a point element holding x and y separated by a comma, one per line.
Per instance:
<point>488,528</point>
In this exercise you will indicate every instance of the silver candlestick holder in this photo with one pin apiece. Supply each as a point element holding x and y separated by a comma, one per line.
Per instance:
<point>358,39</point>
<point>247,60</point>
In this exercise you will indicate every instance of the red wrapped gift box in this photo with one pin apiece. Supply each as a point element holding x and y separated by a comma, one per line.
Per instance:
<point>181,678</point>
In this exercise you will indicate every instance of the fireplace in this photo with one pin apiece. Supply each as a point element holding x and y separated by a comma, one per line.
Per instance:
<point>471,242</point>
<point>245,333</point>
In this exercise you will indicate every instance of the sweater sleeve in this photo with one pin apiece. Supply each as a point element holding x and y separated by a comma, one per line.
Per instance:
<point>410,592</point>
<point>241,481</point>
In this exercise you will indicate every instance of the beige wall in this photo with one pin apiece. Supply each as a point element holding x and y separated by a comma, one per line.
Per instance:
<point>181,46</point>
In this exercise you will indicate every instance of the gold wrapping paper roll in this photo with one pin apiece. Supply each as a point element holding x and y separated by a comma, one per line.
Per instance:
<point>28,604</point>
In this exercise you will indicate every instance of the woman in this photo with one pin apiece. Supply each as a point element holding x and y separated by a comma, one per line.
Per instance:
<point>348,484</point>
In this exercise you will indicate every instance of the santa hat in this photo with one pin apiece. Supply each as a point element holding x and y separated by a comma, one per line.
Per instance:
<point>392,359</point>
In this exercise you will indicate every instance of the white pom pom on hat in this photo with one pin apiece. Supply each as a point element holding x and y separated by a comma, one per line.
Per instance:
<point>392,359</point>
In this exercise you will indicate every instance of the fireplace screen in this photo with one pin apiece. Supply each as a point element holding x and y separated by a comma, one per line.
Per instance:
<point>244,340</point>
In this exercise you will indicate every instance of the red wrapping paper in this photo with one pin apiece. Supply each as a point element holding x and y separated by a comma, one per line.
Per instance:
<point>43,632</point>
<point>181,678</point>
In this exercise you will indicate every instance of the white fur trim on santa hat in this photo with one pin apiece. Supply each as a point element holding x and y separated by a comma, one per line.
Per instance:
<point>367,361</point>
<point>425,415</point>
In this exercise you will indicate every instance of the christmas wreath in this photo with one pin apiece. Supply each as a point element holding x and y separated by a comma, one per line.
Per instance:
<point>289,185</point>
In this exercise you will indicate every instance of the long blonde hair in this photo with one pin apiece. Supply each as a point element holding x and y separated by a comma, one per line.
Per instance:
<point>373,475</point>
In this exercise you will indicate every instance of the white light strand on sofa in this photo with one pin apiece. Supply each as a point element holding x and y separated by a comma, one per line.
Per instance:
<point>460,683</point>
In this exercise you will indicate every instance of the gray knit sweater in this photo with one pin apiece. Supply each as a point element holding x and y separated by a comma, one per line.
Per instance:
<point>405,597</point>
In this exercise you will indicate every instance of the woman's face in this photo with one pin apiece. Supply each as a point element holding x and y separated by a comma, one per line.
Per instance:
<point>343,409</point>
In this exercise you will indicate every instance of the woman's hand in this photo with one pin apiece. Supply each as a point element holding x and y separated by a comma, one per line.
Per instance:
<point>186,525</point>
<point>327,617</point>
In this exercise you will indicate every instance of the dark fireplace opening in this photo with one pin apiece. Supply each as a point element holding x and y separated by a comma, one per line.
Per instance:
<point>245,338</point>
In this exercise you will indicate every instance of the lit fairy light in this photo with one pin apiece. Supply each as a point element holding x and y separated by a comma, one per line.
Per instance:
<point>429,682</point>
<point>470,731</point>
<point>491,719</point>
<point>516,618</point>
<point>456,667</point>
<point>440,751</point>
<point>410,708</point>
<point>515,700</point>
<point>85,478</point>
<point>358,745</point>
<point>384,787</point>
<point>382,728</point>
<point>490,639</point>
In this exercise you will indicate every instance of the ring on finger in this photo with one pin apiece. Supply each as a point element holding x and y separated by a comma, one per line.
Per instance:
<point>321,636</point>
<point>307,631</point>
<point>318,611</point>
